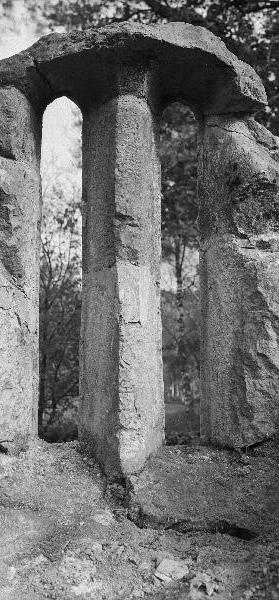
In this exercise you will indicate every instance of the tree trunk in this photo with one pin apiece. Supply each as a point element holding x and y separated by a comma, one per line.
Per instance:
<point>43,365</point>
<point>180,310</point>
<point>179,297</point>
<point>42,395</point>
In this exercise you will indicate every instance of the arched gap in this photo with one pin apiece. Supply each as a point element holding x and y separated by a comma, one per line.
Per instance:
<point>60,271</point>
<point>180,275</point>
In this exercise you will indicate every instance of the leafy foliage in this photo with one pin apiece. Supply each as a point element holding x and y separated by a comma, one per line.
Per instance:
<point>60,294</point>
<point>179,182</point>
<point>181,351</point>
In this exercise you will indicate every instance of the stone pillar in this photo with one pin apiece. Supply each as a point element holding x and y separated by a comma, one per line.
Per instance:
<point>19,265</point>
<point>122,415</point>
<point>239,220</point>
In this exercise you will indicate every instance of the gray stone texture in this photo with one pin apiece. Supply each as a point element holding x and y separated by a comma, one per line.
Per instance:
<point>239,258</point>
<point>122,76</point>
<point>122,385</point>
<point>19,266</point>
<point>196,489</point>
<point>191,63</point>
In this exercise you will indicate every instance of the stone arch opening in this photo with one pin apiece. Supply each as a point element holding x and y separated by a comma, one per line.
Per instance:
<point>60,271</point>
<point>179,273</point>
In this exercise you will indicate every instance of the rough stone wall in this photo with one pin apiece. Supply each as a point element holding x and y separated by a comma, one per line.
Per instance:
<point>122,385</point>
<point>19,265</point>
<point>239,219</point>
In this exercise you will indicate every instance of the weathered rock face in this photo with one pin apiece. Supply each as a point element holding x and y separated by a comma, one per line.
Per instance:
<point>208,489</point>
<point>121,77</point>
<point>239,215</point>
<point>19,266</point>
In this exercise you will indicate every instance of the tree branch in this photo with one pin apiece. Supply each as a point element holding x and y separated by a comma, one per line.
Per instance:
<point>184,14</point>
<point>68,390</point>
<point>254,5</point>
<point>188,14</point>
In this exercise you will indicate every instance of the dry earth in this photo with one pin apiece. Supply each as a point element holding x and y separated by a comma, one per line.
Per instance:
<point>67,533</point>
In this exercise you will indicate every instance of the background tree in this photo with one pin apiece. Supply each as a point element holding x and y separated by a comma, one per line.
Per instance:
<point>60,295</point>
<point>179,234</point>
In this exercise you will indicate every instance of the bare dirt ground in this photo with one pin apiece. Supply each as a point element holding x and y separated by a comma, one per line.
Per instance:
<point>67,533</point>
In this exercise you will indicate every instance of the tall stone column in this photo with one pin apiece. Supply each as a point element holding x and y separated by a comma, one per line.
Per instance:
<point>19,265</point>
<point>239,219</point>
<point>122,413</point>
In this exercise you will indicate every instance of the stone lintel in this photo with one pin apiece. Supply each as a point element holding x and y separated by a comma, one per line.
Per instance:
<point>191,65</point>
